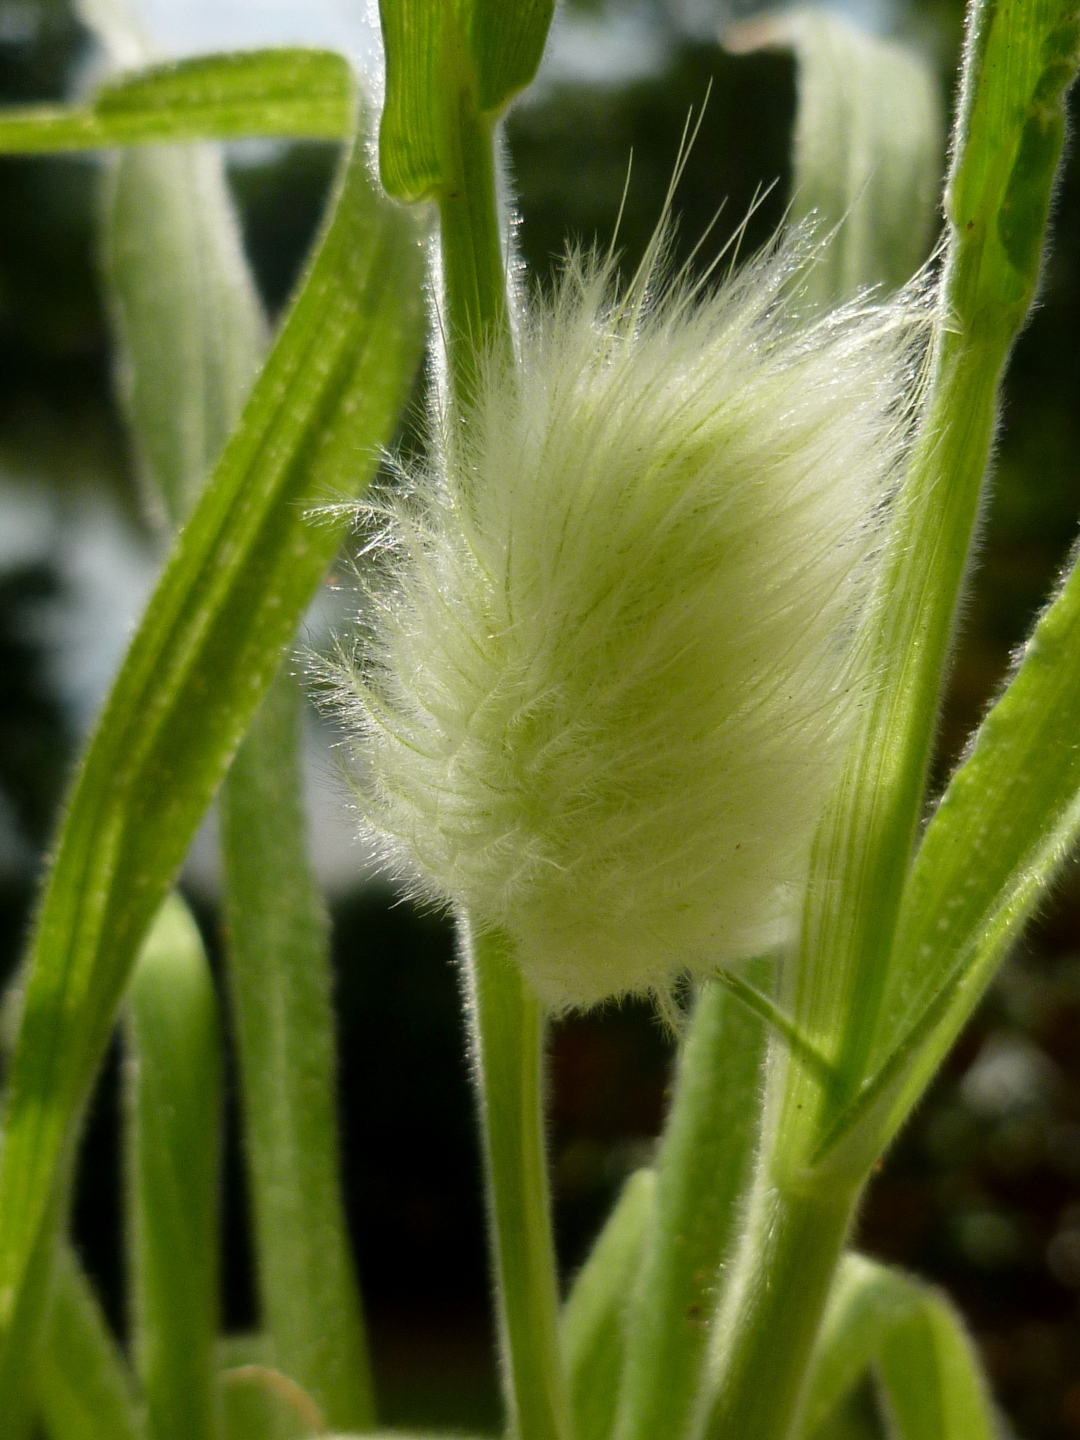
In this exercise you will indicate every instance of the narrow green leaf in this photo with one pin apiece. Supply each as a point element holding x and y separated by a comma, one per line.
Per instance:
<point>867,150</point>
<point>244,569</point>
<point>172,1077</point>
<point>189,325</point>
<point>1007,820</point>
<point>313,89</point>
<point>302,94</point>
<point>506,1034</point>
<point>444,57</point>
<point>702,1173</point>
<point>592,1326</point>
<point>193,335</point>
<point>410,135</point>
<point>507,43</point>
<point>865,1303</point>
<point>279,971</point>
<point>911,1338</point>
<point>1015,68</point>
<point>932,1384</point>
<point>85,1390</point>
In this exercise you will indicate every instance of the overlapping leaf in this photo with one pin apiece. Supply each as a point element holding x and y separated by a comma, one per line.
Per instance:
<point>914,1344</point>
<point>435,49</point>
<point>173,1141</point>
<point>867,150</point>
<point>305,94</point>
<point>1021,61</point>
<point>243,571</point>
<point>594,1318</point>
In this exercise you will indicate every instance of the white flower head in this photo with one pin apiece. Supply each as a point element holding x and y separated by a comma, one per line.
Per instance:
<point>612,653</point>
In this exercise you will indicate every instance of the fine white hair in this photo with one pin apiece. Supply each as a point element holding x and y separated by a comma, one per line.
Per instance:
<point>611,648</point>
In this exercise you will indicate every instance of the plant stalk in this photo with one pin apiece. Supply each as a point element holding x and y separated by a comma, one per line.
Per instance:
<point>507,1033</point>
<point>766,1328</point>
<point>506,1018</point>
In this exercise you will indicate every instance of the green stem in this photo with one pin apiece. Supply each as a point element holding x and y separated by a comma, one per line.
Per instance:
<point>773,1306</point>
<point>704,1166</point>
<point>280,982</point>
<point>507,1024</point>
<point>475,314</point>
<point>506,1017</point>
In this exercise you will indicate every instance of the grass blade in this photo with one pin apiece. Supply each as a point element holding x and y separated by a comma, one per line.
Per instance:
<point>910,1337</point>
<point>193,335</point>
<point>279,972</point>
<point>867,150</point>
<point>187,317</point>
<point>172,1134</point>
<point>243,571</point>
<point>592,1325</point>
<point>85,1389</point>
<point>436,55</point>
<point>932,1385</point>
<point>1005,824</point>
<point>299,94</point>
<point>1020,57</point>
<point>702,1171</point>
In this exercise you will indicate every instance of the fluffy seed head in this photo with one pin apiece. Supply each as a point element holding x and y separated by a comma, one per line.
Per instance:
<point>610,657</point>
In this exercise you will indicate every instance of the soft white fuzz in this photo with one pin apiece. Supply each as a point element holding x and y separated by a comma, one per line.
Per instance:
<point>611,655</point>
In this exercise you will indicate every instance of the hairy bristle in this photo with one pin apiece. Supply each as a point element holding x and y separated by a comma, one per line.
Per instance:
<point>611,654</point>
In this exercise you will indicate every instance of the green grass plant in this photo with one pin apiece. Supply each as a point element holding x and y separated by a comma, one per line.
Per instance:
<point>721,1300</point>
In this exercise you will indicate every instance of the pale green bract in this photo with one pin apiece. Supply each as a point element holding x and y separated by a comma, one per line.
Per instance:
<point>610,668</point>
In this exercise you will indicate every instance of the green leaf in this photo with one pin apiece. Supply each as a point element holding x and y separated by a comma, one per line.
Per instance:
<point>910,1337</point>
<point>193,336</point>
<point>188,320</point>
<point>85,1390</point>
<point>280,980</point>
<point>592,1326</point>
<point>507,43</point>
<point>443,57</point>
<point>242,573</point>
<point>849,970</point>
<point>172,1137</point>
<point>299,94</point>
<point>702,1172</point>
<point>932,1385</point>
<point>867,150</point>
<point>866,1301</point>
<point>1006,822</point>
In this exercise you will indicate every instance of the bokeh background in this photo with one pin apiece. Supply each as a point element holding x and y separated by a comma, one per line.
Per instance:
<point>982,1192</point>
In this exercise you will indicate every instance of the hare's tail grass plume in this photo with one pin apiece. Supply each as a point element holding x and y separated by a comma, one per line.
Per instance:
<point>610,656</point>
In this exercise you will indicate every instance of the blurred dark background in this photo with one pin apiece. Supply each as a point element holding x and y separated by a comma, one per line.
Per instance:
<point>982,1193</point>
